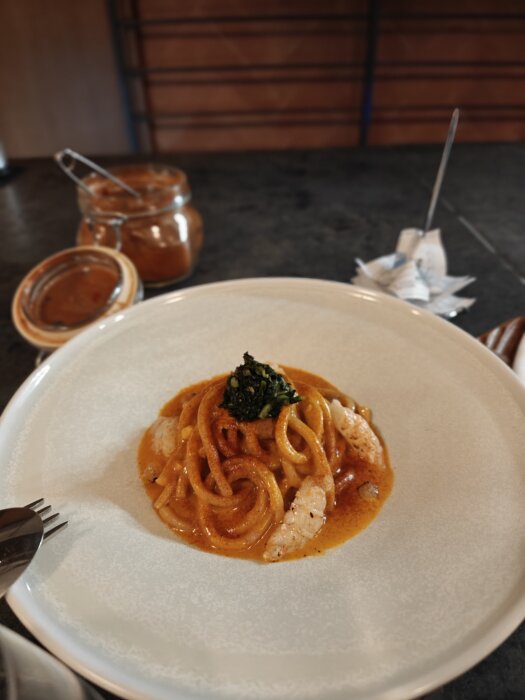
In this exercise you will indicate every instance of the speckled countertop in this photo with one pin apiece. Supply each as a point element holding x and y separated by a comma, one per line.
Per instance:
<point>309,214</point>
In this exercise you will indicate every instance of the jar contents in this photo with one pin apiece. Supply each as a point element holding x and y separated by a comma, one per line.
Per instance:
<point>74,290</point>
<point>70,290</point>
<point>158,229</point>
<point>74,296</point>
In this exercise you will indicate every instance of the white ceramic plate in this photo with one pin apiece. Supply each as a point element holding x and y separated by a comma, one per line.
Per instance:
<point>432,586</point>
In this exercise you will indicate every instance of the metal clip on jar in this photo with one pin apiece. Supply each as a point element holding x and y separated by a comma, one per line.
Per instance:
<point>151,221</point>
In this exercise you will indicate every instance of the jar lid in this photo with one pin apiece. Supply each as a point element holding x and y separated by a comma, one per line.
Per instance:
<point>70,290</point>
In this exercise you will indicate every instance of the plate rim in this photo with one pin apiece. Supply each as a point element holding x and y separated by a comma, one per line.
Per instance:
<point>22,602</point>
<point>97,327</point>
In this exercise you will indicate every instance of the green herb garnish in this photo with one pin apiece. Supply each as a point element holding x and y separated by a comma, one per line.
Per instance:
<point>255,390</point>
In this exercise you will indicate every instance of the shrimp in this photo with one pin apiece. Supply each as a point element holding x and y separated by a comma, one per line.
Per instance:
<point>302,521</point>
<point>363,442</point>
<point>164,433</point>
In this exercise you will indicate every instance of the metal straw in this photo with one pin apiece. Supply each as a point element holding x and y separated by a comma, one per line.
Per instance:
<point>69,166</point>
<point>441,170</point>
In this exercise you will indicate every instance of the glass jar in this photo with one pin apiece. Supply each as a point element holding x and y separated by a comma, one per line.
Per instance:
<point>69,291</point>
<point>158,229</point>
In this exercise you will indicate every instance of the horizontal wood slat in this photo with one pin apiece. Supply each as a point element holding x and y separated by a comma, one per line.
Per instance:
<point>258,138</point>
<point>283,96</point>
<point>214,10</point>
<point>437,9</point>
<point>398,133</point>
<point>245,51</point>
<point>448,91</point>
<point>441,48</point>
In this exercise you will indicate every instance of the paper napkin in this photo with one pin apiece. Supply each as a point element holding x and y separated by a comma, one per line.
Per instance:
<point>416,272</point>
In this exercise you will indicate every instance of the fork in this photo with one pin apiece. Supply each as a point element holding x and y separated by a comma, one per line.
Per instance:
<point>22,531</point>
<point>45,521</point>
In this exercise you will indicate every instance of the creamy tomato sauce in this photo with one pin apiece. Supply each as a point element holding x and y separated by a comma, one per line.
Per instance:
<point>351,514</point>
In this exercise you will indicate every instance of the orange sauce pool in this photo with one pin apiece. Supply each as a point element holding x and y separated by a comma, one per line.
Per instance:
<point>351,513</point>
<point>76,295</point>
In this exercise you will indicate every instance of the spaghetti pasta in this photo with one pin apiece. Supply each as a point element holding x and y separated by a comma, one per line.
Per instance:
<point>271,488</point>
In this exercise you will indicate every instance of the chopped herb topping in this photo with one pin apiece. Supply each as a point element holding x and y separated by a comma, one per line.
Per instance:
<point>255,390</point>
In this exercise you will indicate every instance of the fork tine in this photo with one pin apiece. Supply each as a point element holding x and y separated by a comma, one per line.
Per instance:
<point>54,530</point>
<point>50,518</point>
<point>35,503</point>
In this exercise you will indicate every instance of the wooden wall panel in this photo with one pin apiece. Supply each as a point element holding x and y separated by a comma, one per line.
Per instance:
<point>58,79</point>
<point>217,74</point>
<point>434,56</point>
<point>236,74</point>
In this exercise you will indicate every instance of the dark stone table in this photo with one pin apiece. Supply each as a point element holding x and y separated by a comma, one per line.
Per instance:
<point>309,214</point>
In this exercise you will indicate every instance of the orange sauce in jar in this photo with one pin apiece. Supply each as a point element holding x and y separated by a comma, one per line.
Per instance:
<point>158,230</point>
<point>76,295</point>
<point>71,289</point>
